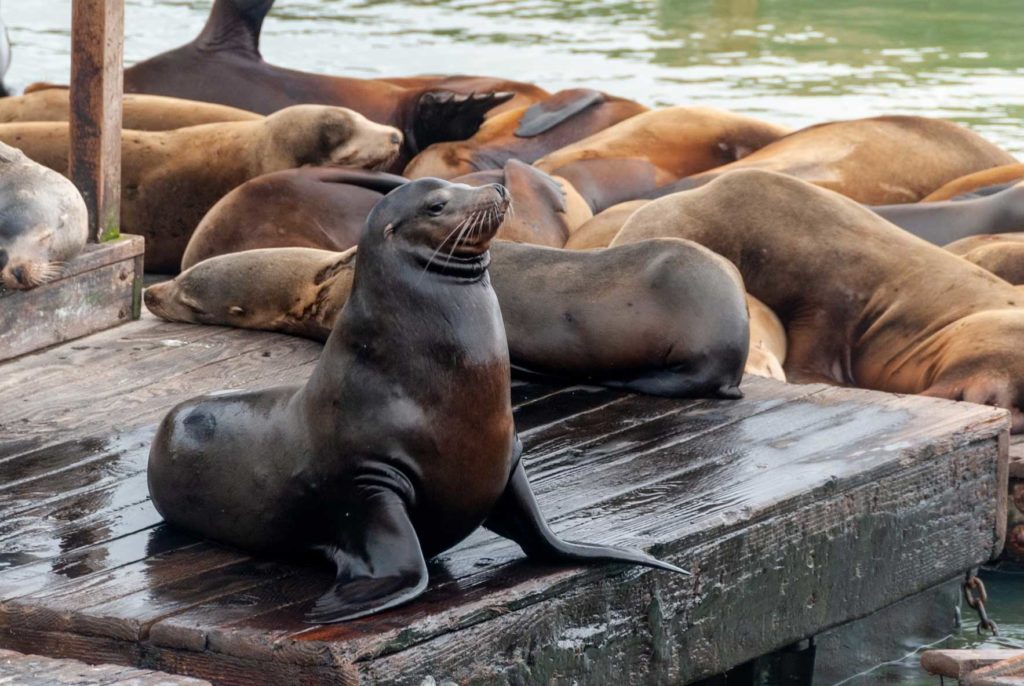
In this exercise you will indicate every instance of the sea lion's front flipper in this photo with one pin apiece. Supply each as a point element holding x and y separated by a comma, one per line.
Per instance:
<point>516,516</point>
<point>447,116</point>
<point>547,114</point>
<point>380,564</point>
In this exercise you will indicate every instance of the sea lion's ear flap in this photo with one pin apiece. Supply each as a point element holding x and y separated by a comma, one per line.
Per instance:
<point>549,113</point>
<point>380,564</point>
<point>517,516</point>
<point>446,116</point>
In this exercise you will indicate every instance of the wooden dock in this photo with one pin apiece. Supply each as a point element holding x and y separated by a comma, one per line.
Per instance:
<point>797,509</point>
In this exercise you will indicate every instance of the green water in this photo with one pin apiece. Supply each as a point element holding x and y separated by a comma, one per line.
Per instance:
<point>792,61</point>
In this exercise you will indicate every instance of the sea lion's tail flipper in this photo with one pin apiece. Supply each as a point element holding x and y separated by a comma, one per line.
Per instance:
<point>380,564</point>
<point>235,25</point>
<point>516,516</point>
<point>448,116</point>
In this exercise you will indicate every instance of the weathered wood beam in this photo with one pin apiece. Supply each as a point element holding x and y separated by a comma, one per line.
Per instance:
<point>97,50</point>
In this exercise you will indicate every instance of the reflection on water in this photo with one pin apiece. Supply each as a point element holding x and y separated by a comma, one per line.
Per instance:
<point>793,61</point>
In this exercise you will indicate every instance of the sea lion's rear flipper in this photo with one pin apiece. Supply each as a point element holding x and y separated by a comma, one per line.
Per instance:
<point>516,516</point>
<point>380,564</point>
<point>447,116</point>
<point>549,113</point>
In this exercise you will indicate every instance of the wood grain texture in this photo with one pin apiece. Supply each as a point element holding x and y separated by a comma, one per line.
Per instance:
<point>34,670</point>
<point>797,508</point>
<point>98,290</point>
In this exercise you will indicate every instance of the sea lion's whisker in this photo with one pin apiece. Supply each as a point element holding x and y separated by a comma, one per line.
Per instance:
<point>430,260</point>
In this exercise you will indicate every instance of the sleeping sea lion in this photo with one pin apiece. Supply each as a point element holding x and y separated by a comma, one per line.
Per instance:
<point>170,179</point>
<point>401,443</point>
<point>664,317</point>
<point>43,221</point>
<point>863,302</point>
<point>1001,253</point>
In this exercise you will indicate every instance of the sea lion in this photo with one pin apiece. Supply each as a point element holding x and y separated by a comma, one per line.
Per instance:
<point>326,209</point>
<point>43,221</point>
<point>767,342</point>
<point>1002,254</point>
<point>665,317</point>
<point>876,161</point>
<point>944,221</point>
<point>140,112</point>
<point>401,443</point>
<point>170,179</point>
<point>650,150</point>
<point>978,184</point>
<point>863,302</point>
<point>525,134</point>
<point>599,231</point>
<point>223,65</point>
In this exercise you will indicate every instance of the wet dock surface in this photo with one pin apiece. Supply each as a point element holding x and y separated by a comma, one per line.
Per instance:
<point>797,508</point>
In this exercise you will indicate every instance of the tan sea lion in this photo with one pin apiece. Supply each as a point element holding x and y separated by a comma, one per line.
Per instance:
<point>664,317</point>
<point>1002,254</point>
<point>326,208</point>
<point>863,302</point>
<point>140,112</point>
<point>525,134</point>
<point>876,161</point>
<point>43,221</point>
<point>599,231</point>
<point>170,179</point>
<point>401,443</point>
<point>649,150</point>
<point>767,342</point>
<point>969,185</point>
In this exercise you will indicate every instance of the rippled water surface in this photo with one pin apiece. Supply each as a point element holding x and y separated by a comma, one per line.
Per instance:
<point>793,61</point>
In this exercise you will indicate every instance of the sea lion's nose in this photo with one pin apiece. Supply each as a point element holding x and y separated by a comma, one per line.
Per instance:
<point>19,275</point>
<point>3,258</point>
<point>396,138</point>
<point>502,191</point>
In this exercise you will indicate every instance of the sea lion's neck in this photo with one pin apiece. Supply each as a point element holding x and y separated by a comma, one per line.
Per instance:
<point>466,269</point>
<point>234,26</point>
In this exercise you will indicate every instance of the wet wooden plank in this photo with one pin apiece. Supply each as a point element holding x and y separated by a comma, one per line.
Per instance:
<point>100,288</point>
<point>35,670</point>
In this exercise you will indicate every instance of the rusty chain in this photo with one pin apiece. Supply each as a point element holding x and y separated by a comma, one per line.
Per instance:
<point>976,596</point>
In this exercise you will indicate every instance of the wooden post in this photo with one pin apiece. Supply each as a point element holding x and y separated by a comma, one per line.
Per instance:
<point>97,49</point>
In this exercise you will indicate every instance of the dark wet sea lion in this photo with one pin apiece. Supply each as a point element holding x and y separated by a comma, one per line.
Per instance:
<point>665,317</point>
<point>525,134</point>
<point>401,443</point>
<point>1002,254</point>
<point>974,185</point>
<point>140,112</point>
<point>942,222</point>
<point>43,221</point>
<point>876,161</point>
<point>223,65</point>
<point>891,313</point>
<point>326,209</point>
<point>170,179</point>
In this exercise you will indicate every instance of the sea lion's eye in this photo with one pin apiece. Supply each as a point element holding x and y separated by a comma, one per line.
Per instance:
<point>437,207</point>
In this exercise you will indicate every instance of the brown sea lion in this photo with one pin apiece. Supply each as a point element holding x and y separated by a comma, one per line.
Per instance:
<point>326,209</point>
<point>876,161</point>
<point>664,317</point>
<point>43,221</point>
<point>1002,254</point>
<point>170,179</point>
<point>649,150</point>
<point>863,302</point>
<point>525,134</point>
<point>223,65</point>
<point>599,231</point>
<point>767,342</point>
<point>401,443</point>
<point>140,112</point>
<point>969,186</point>
<point>944,221</point>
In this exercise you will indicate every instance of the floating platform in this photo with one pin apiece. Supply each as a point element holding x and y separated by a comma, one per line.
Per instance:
<point>798,508</point>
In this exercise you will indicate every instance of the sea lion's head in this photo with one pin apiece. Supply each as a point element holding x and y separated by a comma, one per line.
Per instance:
<point>319,135</point>
<point>43,222</point>
<point>436,221</point>
<point>980,360</point>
